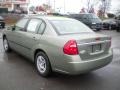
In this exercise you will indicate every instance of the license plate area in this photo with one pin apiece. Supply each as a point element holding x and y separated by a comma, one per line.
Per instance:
<point>96,48</point>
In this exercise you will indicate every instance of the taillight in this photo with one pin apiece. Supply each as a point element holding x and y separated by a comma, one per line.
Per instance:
<point>71,48</point>
<point>97,39</point>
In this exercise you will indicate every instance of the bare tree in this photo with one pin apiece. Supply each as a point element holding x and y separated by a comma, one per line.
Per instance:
<point>91,4</point>
<point>118,9</point>
<point>104,7</point>
<point>46,7</point>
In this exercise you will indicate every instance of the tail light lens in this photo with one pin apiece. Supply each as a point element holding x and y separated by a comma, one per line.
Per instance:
<point>97,39</point>
<point>71,48</point>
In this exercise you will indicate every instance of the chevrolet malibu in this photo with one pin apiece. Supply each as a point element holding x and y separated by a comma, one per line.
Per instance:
<point>58,44</point>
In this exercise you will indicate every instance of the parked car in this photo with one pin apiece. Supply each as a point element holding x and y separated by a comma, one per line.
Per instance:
<point>91,20</point>
<point>109,24</point>
<point>2,22</point>
<point>55,14</point>
<point>58,44</point>
<point>117,18</point>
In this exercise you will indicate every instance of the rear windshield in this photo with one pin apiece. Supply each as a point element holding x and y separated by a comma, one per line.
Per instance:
<point>70,27</point>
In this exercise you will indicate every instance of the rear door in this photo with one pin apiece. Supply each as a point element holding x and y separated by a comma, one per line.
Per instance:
<point>31,37</point>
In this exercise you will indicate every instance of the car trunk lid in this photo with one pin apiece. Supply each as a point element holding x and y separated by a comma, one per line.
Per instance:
<point>91,45</point>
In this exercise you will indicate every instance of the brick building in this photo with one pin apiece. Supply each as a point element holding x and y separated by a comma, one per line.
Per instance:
<point>14,5</point>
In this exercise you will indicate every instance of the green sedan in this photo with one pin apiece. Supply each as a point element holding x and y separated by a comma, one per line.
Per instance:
<point>58,44</point>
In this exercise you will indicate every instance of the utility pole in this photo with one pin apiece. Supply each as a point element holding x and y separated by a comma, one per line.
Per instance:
<point>64,6</point>
<point>49,4</point>
<point>28,3</point>
<point>54,5</point>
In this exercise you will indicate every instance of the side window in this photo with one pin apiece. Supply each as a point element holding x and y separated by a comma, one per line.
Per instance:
<point>85,16</point>
<point>22,23</point>
<point>42,27</point>
<point>33,25</point>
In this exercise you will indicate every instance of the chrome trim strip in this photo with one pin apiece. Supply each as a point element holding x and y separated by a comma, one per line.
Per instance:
<point>97,52</point>
<point>91,43</point>
<point>61,71</point>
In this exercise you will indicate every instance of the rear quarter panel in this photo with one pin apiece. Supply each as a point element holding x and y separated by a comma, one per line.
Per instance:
<point>53,47</point>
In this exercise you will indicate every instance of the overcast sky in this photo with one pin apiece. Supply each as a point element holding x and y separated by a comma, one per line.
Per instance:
<point>115,5</point>
<point>71,5</point>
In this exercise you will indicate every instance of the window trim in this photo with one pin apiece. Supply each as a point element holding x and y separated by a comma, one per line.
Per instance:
<point>36,31</point>
<point>55,29</point>
<point>40,26</point>
<point>24,26</point>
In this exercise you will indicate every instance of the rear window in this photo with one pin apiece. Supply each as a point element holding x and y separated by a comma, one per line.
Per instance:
<point>70,27</point>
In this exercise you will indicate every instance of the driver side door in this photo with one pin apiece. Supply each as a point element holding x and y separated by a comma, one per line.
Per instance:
<point>15,36</point>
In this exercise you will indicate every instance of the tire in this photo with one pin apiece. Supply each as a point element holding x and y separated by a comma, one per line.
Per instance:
<point>42,64</point>
<point>6,45</point>
<point>98,29</point>
<point>3,27</point>
<point>118,29</point>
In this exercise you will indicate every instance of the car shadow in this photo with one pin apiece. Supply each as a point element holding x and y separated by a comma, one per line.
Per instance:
<point>58,78</point>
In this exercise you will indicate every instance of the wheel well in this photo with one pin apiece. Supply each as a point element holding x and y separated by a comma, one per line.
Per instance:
<point>38,50</point>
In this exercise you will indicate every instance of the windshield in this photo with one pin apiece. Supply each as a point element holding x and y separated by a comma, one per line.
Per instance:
<point>70,27</point>
<point>94,18</point>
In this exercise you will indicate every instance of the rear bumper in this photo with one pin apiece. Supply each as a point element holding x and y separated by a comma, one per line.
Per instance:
<point>75,68</point>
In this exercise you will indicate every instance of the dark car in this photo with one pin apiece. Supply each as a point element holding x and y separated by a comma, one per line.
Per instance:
<point>91,20</point>
<point>2,23</point>
<point>55,14</point>
<point>109,24</point>
<point>117,19</point>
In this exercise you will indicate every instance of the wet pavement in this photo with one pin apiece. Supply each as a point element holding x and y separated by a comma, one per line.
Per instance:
<point>18,73</point>
<point>0,34</point>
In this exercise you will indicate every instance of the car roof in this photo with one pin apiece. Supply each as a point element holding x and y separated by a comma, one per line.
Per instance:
<point>82,14</point>
<point>49,17</point>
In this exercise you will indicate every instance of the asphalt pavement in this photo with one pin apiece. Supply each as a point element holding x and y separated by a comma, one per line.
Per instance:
<point>0,34</point>
<point>18,73</point>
